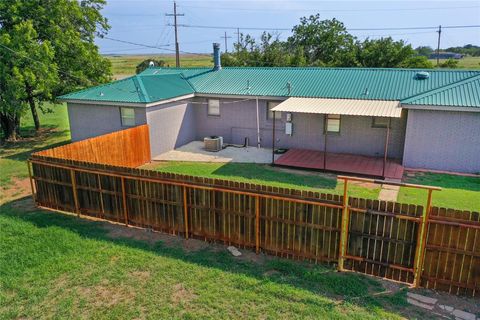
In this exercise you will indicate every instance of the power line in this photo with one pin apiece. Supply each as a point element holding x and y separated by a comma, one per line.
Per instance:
<point>351,29</point>
<point>225,37</point>
<point>331,10</point>
<point>154,47</point>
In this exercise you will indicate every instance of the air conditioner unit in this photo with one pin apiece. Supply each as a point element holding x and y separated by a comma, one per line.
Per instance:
<point>213,143</point>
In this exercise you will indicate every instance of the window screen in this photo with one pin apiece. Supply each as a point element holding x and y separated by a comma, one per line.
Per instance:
<point>128,117</point>
<point>380,122</point>
<point>270,105</point>
<point>333,123</point>
<point>213,107</point>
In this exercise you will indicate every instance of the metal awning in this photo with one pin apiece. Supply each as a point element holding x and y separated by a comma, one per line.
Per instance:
<point>352,107</point>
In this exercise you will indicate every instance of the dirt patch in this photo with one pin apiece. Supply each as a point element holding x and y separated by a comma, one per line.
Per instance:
<point>366,185</point>
<point>18,188</point>
<point>141,276</point>
<point>105,295</point>
<point>181,295</point>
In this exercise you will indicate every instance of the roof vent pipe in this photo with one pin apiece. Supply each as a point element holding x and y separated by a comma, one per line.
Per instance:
<point>216,57</point>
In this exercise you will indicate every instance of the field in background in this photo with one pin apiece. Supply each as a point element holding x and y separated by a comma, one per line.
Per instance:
<point>465,63</point>
<point>124,65</point>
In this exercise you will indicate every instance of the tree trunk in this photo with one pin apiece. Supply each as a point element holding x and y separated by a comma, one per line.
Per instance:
<point>33,108</point>
<point>31,102</point>
<point>10,126</point>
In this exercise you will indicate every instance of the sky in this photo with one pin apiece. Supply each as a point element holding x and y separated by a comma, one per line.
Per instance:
<point>145,21</point>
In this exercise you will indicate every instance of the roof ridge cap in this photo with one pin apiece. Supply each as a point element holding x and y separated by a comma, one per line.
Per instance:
<point>142,92</point>
<point>96,87</point>
<point>439,89</point>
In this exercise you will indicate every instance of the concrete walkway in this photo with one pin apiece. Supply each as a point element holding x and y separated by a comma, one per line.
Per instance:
<point>194,151</point>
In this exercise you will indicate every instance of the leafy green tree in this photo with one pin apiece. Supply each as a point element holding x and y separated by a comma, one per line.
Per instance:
<point>146,64</point>
<point>419,62</point>
<point>28,75</point>
<point>449,63</point>
<point>424,50</point>
<point>383,53</point>
<point>325,42</point>
<point>69,29</point>
<point>269,52</point>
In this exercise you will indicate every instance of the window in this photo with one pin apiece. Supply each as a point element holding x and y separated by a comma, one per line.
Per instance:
<point>333,123</point>
<point>128,117</point>
<point>213,107</point>
<point>270,105</point>
<point>380,122</point>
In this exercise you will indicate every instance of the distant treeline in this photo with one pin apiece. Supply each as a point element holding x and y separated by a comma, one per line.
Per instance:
<point>468,50</point>
<point>327,43</point>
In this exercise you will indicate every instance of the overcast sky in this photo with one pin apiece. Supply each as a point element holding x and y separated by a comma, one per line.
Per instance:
<point>144,21</point>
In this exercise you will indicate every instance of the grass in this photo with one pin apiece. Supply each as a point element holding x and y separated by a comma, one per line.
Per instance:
<point>465,63</point>
<point>124,65</point>
<point>55,131</point>
<point>266,175</point>
<point>57,266</point>
<point>457,192</point>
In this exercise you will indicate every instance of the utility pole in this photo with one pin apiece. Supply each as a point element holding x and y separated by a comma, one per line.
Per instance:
<point>175,15</point>
<point>225,38</point>
<point>438,44</point>
<point>238,38</point>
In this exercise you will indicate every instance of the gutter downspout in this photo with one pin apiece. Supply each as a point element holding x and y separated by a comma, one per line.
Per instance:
<point>258,125</point>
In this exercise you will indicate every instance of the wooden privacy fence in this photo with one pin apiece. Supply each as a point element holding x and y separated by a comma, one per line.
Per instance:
<point>127,148</point>
<point>385,239</point>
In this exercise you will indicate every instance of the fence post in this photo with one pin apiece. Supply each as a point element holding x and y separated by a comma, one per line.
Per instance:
<point>421,242</point>
<point>31,181</point>
<point>343,227</point>
<point>124,198</point>
<point>257,224</point>
<point>185,211</point>
<point>74,189</point>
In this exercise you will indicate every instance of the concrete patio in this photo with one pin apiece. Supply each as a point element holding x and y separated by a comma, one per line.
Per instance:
<point>194,151</point>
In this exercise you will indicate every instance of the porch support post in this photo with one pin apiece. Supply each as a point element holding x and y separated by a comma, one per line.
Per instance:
<point>387,138</point>
<point>273,140</point>
<point>258,125</point>
<point>325,132</point>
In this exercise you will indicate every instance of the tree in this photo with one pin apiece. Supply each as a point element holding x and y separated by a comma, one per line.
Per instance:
<point>383,53</point>
<point>419,62</point>
<point>69,28</point>
<point>449,63</point>
<point>29,74</point>
<point>270,52</point>
<point>424,50</point>
<point>325,42</point>
<point>146,64</point>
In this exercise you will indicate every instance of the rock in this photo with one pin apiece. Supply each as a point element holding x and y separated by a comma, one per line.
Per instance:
<point>446,308</point>
<point>234,251</point>
<point>421,298</point>
<point>419,304</point>
<point>463,315</point>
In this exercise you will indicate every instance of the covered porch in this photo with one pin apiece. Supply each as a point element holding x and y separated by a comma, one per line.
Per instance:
<point>341,162</point>
<point>345,161</point>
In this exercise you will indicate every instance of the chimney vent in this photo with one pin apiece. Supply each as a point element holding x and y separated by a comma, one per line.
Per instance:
<point>216,57</point>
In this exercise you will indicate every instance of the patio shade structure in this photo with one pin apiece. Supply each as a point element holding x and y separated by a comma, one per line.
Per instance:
<point>350,107</point>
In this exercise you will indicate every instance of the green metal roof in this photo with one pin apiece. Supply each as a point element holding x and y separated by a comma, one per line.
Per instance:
<point>136,89</point>
<point>350,83</point>
<point>465,93</point>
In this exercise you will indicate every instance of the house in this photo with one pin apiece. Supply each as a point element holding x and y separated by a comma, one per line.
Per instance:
<point>446,55</point>
<point>407,117</point>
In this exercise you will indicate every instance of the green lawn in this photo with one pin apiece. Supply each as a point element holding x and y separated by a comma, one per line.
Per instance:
<point>55,131</point>
<point>266,175</point>
<point>457,192</point>
<point>58,266</point>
